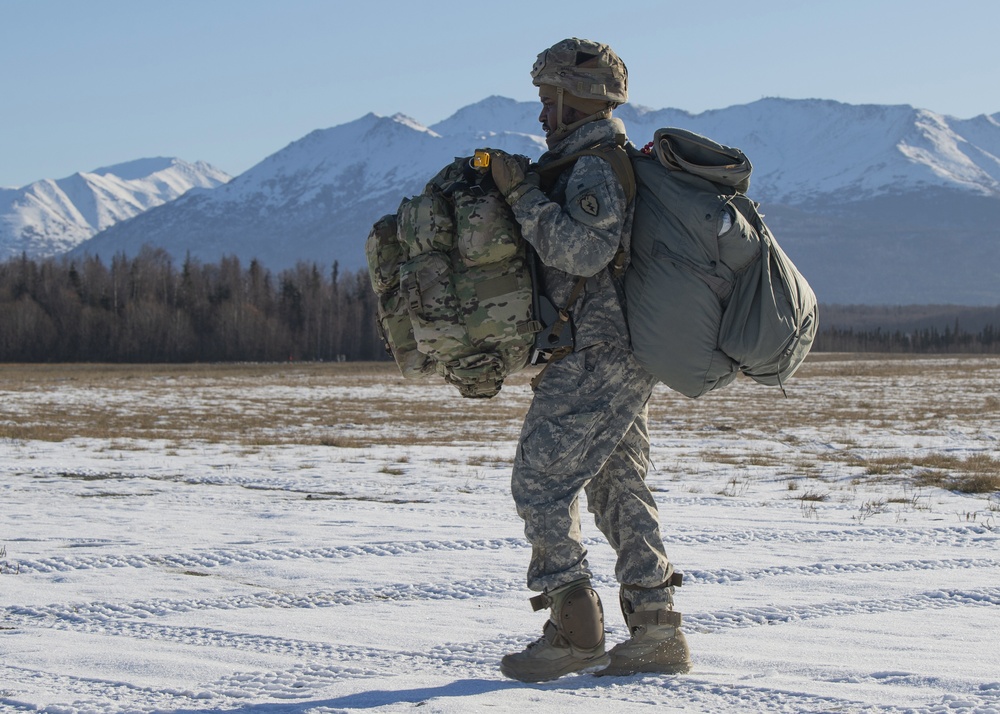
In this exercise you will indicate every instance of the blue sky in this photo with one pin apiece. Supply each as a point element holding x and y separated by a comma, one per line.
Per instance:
<point>89,83</point>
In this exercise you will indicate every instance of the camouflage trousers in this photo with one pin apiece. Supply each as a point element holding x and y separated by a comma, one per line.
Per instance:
<point>586,429</point>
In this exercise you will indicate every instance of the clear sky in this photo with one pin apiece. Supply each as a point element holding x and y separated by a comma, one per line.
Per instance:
<point>90,83</point>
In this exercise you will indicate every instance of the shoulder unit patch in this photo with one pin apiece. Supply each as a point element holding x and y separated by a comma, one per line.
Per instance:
<point>590,205</point>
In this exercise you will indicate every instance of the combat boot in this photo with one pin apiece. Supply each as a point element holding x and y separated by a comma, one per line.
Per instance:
<point>656,644</point>
<point>572,639</point>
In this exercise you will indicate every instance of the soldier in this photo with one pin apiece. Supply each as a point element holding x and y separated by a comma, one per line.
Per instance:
<point>586,427</point>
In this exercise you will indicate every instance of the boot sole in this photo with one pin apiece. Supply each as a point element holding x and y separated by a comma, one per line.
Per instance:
<point>647,668</point>
<point>585,667</point>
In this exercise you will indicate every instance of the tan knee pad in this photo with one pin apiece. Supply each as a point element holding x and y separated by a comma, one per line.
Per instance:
<point>579,616</point>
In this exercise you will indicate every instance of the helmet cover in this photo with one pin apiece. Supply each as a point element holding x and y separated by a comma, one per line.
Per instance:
<point>583,68</point>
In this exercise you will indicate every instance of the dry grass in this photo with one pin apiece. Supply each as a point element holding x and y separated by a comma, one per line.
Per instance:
<point>340,405</point>
<point>830,426</point>
<point>978,473</point>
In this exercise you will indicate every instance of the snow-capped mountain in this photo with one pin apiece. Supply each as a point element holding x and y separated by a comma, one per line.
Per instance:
<point>49,217</point>
<point>314,200</point>
<point>806,149</point>
<point>878,204</point>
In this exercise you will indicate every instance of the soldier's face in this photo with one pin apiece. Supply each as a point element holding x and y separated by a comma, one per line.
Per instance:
<point>549,118</point>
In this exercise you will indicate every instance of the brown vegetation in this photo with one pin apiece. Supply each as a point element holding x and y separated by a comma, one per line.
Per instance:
<point>842,420</point>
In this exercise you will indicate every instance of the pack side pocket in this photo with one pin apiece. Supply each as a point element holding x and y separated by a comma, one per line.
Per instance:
<point>739,246</point>
<point>438,324</point>
<point>719,285</point>
<point>396,330</point>
<point>384,254</point>
<point>485,229</point>
<point>426,224</point>
<point>497,303</point>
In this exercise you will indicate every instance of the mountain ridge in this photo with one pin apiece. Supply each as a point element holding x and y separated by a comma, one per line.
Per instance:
<point>52,216</point>
<point>826,173</point>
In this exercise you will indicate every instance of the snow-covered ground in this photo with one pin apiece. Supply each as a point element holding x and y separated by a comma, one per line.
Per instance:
<point>336,562</point>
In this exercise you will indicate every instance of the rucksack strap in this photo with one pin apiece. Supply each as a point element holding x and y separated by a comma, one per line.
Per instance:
<point>614,153</point>
<point>563,320</point>
<point>617,156</point>
<point>621,163</point>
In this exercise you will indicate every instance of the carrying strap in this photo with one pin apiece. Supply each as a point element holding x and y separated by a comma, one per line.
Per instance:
<point>554,357</point>
<point>614,153</point>
<point>563,320</point>
<point>617,156</point>
<point>554,336</point>
<point>621,163</point>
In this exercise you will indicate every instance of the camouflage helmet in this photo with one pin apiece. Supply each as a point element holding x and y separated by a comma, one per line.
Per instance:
<point>583,68</point>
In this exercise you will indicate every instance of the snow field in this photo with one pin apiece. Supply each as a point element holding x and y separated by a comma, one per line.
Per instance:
<point>242,574</point>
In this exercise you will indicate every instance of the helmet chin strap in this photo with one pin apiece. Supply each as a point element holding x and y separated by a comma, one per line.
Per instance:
<point>562,129</point>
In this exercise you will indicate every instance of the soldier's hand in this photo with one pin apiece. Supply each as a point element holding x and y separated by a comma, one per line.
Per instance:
<point>508,171</point>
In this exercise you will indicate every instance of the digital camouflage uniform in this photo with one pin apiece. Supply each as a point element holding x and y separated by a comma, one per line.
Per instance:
<point>586,427</point>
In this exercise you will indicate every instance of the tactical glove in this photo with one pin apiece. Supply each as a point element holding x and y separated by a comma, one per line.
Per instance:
<point>509,174</point>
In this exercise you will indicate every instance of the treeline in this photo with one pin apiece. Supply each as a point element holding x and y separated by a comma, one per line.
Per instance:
<point>929,340</point>
<point>146,309</point>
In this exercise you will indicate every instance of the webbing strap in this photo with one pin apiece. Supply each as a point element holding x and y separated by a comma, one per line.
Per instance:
<point>554,357</point>
<point>654,617</point>
<point>540,602</point>
<point>615,154</point>
<point>564,313</point>
<point>559,353</point>
<point>530,327</point>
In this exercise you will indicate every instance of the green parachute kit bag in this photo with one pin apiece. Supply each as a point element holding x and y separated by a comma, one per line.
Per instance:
<point>453,285</point>
<point>709,291</point>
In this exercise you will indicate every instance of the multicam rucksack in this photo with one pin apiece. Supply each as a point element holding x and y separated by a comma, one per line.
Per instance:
<point>453,286</point>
